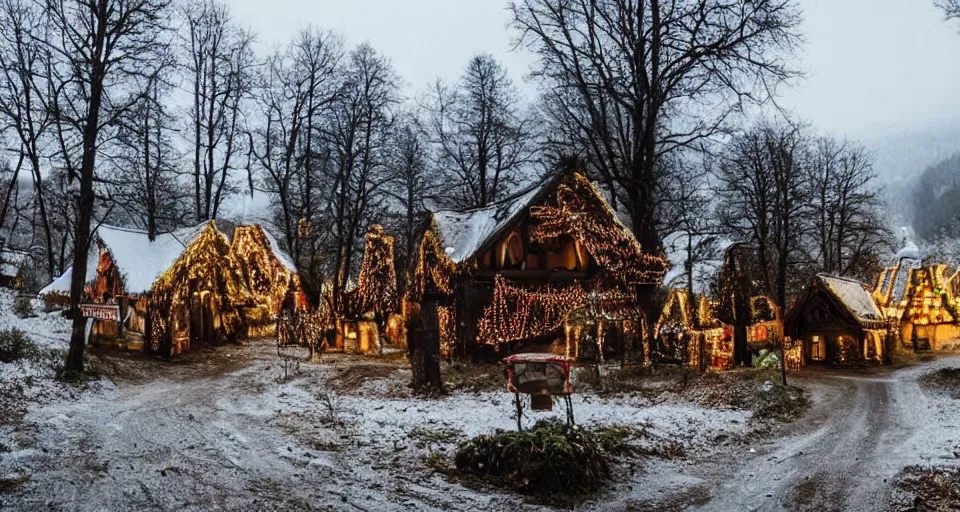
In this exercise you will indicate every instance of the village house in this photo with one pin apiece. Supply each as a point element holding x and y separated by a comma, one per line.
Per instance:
<point>552,268</point>
<point>920,302</point>
<point>838,322</point>
<point>185,288</point>
<point>930,320</point>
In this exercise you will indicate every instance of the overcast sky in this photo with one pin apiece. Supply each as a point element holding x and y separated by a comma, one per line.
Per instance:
<point>875,67</point>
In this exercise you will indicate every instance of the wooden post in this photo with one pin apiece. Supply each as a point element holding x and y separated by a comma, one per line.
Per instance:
<point>516,398</point>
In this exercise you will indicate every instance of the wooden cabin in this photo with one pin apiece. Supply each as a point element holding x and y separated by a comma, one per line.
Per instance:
<point>838,323</point>
<point>181,289</point>
<point>513,273</point>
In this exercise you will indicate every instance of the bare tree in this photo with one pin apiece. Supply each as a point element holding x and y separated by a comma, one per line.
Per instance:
<point>145,181</point>
<point>846,228</point>
<point>24,86</point>
<point>950,8</point>
<point>629,82</point>
<point>218,64</point>
<point>103,52</point>
<point>479,133</point>
<point>297,87</point>
<point>764,188</point>
<point>359,132</point>
<point>409,188</point>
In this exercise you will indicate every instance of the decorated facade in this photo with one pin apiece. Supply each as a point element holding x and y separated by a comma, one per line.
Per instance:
<point>182,289</point>
<point>368,316</point>
<point>837,322</point>
<point>551,268</point>
<point>890,291</point>
<point>920,302</point>
<point>930,319</point>
<point>271,277</point>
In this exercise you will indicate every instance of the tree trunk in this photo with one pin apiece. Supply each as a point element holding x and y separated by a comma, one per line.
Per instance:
<point>423,346</point>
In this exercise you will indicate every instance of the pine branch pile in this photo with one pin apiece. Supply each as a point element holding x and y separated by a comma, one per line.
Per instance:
<point>548,460</point>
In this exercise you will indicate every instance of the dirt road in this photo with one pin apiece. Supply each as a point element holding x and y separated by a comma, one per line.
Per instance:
<point>220,431</point>
<point>845,453</point>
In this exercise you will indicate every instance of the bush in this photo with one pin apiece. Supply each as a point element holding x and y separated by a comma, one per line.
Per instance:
<point>15,345</point>
<point>549,460</point>
<point>23,307</point>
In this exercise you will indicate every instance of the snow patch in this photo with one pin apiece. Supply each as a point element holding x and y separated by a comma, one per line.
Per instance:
<point>854,296</point>
<point>464,233</point>
<point>139,260</point>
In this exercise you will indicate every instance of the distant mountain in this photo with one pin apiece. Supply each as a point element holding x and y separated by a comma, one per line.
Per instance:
<point>935,200</point>
<point>902,157</point>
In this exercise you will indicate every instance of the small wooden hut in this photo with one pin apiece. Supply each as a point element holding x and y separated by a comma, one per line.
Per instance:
<point>838,322</point>
<point>13,268</point>
<point>271,277</point>
<point>515,271</point>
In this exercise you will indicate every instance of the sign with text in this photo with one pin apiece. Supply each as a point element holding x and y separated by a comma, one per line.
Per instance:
<point>101,311</point>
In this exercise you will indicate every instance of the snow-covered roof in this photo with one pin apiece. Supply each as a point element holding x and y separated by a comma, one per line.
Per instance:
<point>139,260</point>
<point>464,233</point>
<point>909,251</point>
<point>60,284</point>
<point>11,261</point>
<point>854,296</point>
<point>705,271</point>
<point>280,254</point>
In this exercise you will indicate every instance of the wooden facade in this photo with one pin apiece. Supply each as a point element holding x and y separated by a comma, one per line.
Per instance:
<point>838,322</point>
<point>930,318</point>
<point>182,290</point>
<point>517,271</point>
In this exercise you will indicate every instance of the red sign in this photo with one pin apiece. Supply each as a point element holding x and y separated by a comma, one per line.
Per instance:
<point>101,311</point>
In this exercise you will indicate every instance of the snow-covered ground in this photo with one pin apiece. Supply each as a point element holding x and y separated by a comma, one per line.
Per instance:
<point>222,430</point>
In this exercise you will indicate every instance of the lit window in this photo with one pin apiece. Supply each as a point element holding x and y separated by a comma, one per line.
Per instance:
<point>816,348</point>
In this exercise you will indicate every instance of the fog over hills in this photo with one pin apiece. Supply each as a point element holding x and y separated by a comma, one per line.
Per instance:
<point>901,157</point>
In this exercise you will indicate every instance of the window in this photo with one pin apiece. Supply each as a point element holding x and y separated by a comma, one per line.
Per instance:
<point>816,348</point>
